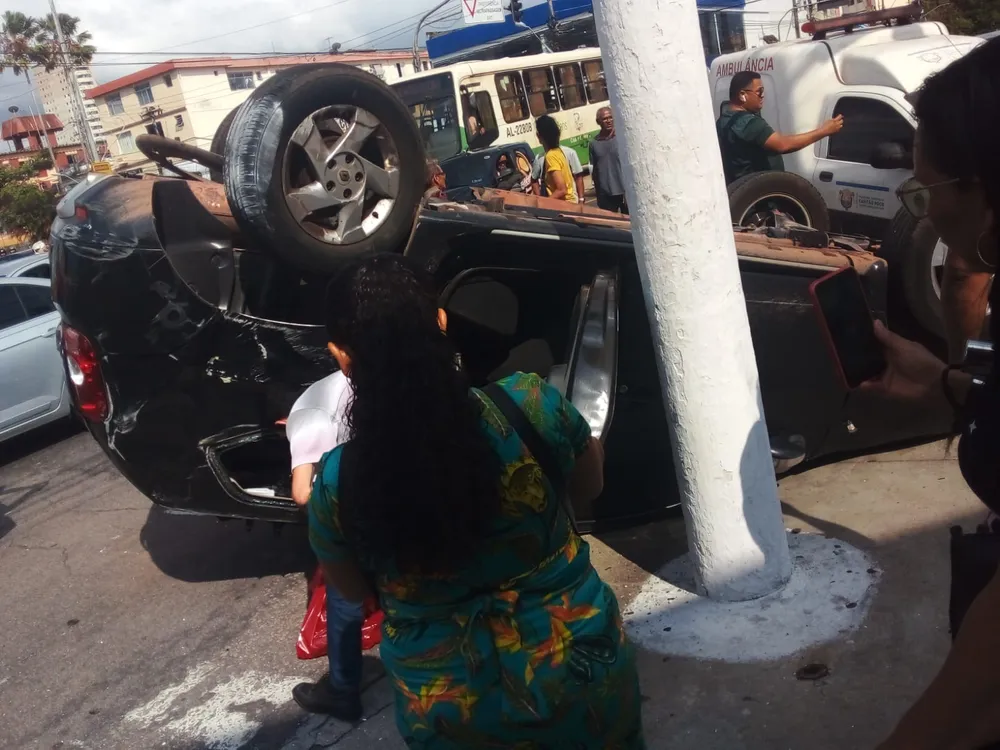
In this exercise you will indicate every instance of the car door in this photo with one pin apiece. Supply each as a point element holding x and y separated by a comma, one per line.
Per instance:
<point>861,198</point>
<point>31,373</point>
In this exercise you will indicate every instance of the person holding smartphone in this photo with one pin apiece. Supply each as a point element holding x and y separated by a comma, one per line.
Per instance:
<point>956,185</point>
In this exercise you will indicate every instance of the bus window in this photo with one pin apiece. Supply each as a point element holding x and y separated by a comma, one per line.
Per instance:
<point>593,75</point>
<point>510,90</point>
<point>542,98</point>
<point>431,101</point>
<point>480,120</point>
<point>571,93</point>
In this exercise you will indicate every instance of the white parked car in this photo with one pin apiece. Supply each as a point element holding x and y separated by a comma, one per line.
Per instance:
<point>26,265</point>
<point>32,379</point>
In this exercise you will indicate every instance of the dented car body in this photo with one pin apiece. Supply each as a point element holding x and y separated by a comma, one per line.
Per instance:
<point>201,346</point>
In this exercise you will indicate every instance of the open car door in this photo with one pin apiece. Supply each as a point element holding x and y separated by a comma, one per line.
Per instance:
<point>589,377</point>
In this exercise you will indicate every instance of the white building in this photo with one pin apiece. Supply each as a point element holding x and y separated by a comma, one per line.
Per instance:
<point>187,99</point>
<point>57,99</point>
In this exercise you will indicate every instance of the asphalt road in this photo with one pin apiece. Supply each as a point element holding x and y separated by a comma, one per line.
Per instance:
<point>124,627</point>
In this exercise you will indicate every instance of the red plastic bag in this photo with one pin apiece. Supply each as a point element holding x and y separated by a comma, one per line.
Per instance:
<point>312,634</point>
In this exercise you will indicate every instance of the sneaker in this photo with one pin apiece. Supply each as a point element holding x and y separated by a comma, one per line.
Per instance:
<point>323,698</point>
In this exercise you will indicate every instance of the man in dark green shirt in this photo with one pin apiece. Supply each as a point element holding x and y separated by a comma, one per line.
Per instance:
<point>747,142</point>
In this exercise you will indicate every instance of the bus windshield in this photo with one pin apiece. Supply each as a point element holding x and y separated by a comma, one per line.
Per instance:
<point>431,101</point>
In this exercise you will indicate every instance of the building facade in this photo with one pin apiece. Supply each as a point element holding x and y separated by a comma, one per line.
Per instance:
<point>187,99</point>
<point>30,138</point>
<point>57,99</point>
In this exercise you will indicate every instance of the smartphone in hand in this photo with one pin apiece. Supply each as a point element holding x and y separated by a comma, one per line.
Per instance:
<point>849,327</point>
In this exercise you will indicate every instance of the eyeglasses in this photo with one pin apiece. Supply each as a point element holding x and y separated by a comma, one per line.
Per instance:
<point>759,92</point>
<point>916,197</point>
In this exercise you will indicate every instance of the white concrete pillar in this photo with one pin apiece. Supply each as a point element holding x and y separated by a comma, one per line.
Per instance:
<point>686,253</point>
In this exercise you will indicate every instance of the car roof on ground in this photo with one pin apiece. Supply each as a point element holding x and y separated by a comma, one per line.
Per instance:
<point>11,264</point>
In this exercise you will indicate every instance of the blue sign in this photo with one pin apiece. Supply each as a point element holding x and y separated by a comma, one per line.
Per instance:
<point>537,17</point>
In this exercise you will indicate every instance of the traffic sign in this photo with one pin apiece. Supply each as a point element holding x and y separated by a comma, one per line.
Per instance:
<point>483,11</point>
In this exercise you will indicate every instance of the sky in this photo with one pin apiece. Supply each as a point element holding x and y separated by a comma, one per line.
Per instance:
<point>162,29</point>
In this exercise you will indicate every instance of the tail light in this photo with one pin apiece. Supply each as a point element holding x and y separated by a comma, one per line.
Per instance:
<point>84,373</point>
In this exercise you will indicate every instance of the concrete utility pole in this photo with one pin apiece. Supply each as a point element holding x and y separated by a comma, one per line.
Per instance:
<point>86,136</point>
<point>684,245</point>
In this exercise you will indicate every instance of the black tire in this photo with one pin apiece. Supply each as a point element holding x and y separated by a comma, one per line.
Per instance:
<point>219,141</point>
<point>255,149</point>
<point>783,188</point>
<point>909,250</point>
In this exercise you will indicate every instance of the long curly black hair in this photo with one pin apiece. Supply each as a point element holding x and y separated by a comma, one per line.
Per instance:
<point>424,477</point>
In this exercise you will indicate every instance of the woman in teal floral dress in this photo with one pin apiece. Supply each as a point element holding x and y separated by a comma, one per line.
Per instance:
<point>498,631</point>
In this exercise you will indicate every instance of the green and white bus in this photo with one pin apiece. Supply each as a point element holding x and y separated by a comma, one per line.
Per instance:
<point>484,103</point>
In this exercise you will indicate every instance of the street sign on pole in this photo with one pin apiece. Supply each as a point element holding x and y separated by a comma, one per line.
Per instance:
<point>483,11</point>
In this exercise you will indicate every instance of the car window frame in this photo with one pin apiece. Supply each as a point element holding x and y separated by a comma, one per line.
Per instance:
<point>16,297</point>
<point>849,137</point>
<point>27,273</point>
<point>24,304</point>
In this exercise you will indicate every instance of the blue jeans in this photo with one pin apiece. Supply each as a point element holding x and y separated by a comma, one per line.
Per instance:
<point>343,637</point>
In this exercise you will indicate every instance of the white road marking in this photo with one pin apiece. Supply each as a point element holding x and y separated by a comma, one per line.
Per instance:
<point>826,598</point>
<point>217,717</point>
<point>158,708</point>
<point>219,723</point>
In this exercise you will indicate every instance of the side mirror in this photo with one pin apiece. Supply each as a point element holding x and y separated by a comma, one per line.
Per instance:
<point>891,156</point>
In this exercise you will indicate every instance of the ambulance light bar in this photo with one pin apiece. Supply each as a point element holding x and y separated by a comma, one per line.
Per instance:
<point>901,15</point>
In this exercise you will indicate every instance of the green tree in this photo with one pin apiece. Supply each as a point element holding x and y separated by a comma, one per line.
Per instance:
<point>25,208</point>
<point>19,45</point>
<point>80,50</point>
<point>965,16</point>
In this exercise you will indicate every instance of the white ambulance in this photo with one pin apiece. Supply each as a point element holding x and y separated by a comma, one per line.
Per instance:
<point>852,67</point>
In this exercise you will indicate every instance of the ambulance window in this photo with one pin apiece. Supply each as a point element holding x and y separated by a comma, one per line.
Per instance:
<point>867,123</point>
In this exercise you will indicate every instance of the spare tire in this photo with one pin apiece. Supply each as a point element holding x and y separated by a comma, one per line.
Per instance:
<point>753,198</point>
<point>916,259</point>
<point>324,163</point>
<point>219,141</point>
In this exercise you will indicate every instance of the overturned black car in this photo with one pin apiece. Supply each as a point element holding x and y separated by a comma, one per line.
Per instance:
<point>192,311</point>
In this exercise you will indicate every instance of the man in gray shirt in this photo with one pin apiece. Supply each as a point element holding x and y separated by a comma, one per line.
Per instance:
<point>605,165</point>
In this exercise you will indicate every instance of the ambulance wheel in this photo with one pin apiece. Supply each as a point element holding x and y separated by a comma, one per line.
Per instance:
<point>917,254</point>
<point>754,199</point>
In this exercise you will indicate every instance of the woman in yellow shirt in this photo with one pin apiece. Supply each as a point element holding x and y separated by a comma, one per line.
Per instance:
<point>558,176</point>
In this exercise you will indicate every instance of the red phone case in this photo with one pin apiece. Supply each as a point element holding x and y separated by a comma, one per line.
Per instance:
<point>827,336</point>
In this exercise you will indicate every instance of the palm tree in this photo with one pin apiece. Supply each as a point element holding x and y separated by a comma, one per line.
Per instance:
<point>18,45</point>
<point>80,50</point>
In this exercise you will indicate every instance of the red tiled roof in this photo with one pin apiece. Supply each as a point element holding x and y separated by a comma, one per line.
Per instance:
<point>240,63</point>
<point>23,126</point>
